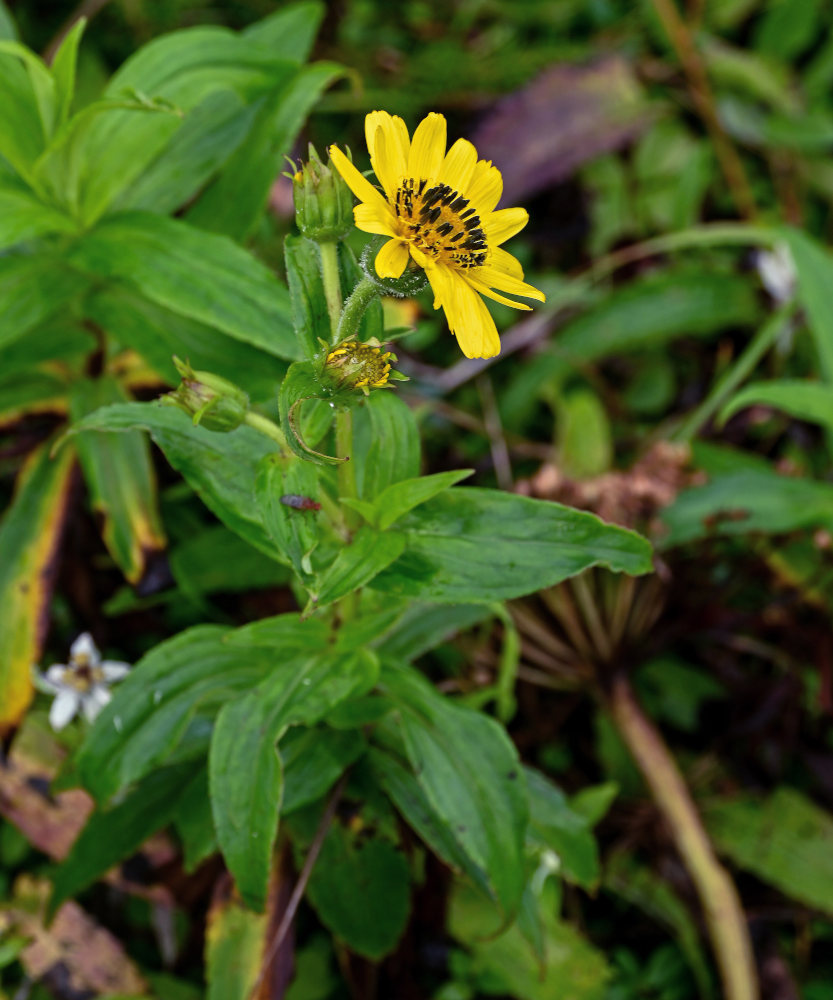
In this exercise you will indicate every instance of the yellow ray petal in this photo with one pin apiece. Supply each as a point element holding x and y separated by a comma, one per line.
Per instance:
<point>502,225</point>
<point>392,259</point>
<point>504,261</point>
<point>458,166</point>
<point>427,148</point>
<point>485,187</point>
<point>483,289</point>
<point>476,331</point>
<point>388,143</point>
<point>494,278</point>
<point>368,220</point>
<point>358,184</point>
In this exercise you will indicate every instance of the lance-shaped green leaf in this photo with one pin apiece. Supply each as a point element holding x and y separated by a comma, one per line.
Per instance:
<point>21,133</point>
<point>386,443</point>
<point>286,496</point>
<point>121,481</point>
<point>220,467</point>
<point>235,943</point>
<point>473,544</point>
<point>234,203</point>
<point>23,216</point>
<point>367,554</point>
<point>204,277</point>
<point>398,498</point>
<point>30,533</point>
<point>290,32</point>
<point>804,400</point>
<point>470,774</point>
<point>245,770</point>
<point>31,392</point>
<point>63,70</point>
<point>33,288</point>
<point>814,267</point>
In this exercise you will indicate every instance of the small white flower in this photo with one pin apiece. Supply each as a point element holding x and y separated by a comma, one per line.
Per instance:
<point>80,685</point>
<point>776,270</point>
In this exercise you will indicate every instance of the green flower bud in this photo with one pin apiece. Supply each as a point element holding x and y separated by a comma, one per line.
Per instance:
<point>213,402</point>
<point>323,202</point>
<point>353,365</point>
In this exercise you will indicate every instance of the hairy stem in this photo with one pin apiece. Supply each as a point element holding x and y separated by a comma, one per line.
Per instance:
<point>725,919</point>
<point>354,308</point>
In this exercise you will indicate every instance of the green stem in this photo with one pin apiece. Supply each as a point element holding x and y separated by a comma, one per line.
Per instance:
<point>332,283</point>
<point>268,428</point>
<point>354,308</point>
<point>731,379</point>
<point>724,916</point>
<point>344,449</point>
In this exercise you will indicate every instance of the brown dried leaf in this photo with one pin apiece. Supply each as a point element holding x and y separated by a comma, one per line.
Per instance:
<point>567,116</point>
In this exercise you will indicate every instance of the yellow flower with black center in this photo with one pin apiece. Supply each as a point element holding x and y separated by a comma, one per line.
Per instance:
<point>440,211</point>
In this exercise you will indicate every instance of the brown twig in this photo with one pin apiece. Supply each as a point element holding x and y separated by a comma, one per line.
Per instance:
<point>703,97</point>
<point>301,885</point>
<point>725,920</point>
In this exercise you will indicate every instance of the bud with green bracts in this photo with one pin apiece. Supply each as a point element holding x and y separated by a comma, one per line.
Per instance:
<point>213,402</point>
<point>323,202</point>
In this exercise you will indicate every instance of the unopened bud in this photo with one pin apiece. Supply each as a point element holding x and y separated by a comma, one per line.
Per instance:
<point>323,202</point>
<point>213,402</point>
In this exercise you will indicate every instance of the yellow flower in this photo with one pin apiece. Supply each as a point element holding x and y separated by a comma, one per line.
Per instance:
<point>438,209</point>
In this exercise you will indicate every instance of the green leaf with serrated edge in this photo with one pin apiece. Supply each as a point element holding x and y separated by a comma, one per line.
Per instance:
<point>469,771</point>
<point>114,834</point>
<point>245,772</point>
<point>306,289</point>
<point>351,869</point>
<point>295,530</point>
<point>63,70</point>
<point>30,532</point>
<point>367,554</point>
<point>158,334</point>
<point>192,674</point>
<point>32,289</point>
<point>205,277</point>
<point>235,942</point>
<point>747,500</point>
<point>398,498</point>
<point>554,825</point>
<point>302,383</point>
<point>193,821</point>
<point>386,444</point>
<point>24,217</point>
<point>407,795</point>
<point>121,481</point>
<point>221,468</point>
<point>289,32</point>
<point>313,760</point>
<point>784,839</point>
<point>802,399</point>
<point>194,153</point>
<point>471,544</point>
<point>234,203</point>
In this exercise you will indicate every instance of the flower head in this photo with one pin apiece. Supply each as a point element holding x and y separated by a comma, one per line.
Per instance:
<point>81,684</point>
<point>439,210</point>
<point>359,366</point>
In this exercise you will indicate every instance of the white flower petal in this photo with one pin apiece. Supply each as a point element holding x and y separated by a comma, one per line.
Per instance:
<point>55,674</point>
<point>85,649</point>
<point>63,708</point>
<point>114,670</point>
<point>94,701</point>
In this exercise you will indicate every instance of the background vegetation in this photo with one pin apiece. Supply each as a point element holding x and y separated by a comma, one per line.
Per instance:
<point>675,161</point>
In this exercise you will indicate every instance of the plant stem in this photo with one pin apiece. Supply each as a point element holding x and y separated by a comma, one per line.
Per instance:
<point>731,379</point>
<point>354,308</point>
<point>725,919</point>
<point>344,449</point>
<point>701,93</point>
<point>268,428</point>
<point>332,283</point>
